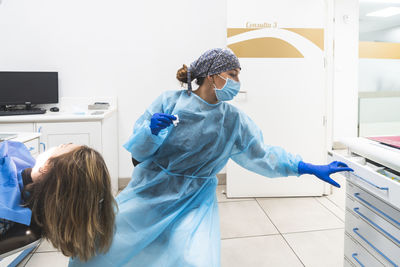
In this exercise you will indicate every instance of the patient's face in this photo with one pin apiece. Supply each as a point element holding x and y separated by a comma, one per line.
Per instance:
<point>41,161</point>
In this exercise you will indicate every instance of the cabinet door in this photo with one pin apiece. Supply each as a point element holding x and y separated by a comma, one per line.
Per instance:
<point>16,127</point>
<point>81,133</point>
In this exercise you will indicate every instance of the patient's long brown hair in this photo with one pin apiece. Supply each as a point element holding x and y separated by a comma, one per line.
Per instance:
<point>74,205</point>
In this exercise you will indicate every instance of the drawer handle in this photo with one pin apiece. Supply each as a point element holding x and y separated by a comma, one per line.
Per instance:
<point>356,210</point>
<point>357,195</point>
<point>376,249</point>
<point>44,146</point>
<point>371,183</point>
<point>31,148</point>
<point>354,255</point>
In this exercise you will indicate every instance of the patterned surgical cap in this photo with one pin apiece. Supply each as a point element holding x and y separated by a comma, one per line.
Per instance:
<point>213,61</point>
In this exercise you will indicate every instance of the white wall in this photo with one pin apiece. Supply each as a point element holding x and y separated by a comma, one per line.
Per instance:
<point>380,115</point>
<point>132,50</point>
<point>128,49</point>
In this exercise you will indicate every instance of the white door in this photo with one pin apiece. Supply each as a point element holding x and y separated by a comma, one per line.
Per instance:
<point>280,45</point>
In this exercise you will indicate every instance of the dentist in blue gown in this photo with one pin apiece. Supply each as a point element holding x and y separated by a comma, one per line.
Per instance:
<point>168,213</point>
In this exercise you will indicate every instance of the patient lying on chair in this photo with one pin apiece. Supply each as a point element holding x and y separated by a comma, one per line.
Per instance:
<point>68,191</point>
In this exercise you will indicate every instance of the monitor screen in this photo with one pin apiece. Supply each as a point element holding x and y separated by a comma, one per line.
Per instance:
<point>28,87</point>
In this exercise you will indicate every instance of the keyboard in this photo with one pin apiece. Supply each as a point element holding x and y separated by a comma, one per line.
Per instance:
<point>22,112</point>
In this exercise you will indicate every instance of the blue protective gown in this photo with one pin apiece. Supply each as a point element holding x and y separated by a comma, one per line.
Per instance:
<point>14,158</point>
<point>168,213</point>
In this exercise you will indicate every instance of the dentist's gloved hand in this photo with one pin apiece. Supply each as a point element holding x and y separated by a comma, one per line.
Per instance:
<point>323,171</point>
<point>160,121</point>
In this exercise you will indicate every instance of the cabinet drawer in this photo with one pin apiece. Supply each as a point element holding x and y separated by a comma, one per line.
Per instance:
<point>373,241</point>
<point>33,146</point>
<point>375,183</point>
<point>384,215</point>
<point>357,254</point>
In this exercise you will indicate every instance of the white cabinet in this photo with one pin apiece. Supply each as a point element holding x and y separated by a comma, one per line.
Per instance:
<point>356,253</point>
<point>372,222</point>
<point>98,132</point>
<point>80,133</point>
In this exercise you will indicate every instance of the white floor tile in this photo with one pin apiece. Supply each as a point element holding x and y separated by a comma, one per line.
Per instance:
<point>221,195</point>
<point>23,262</point>
<point>331,206</point>
<point>318,248</point>
<point>268,251</point>
<point>48,259</point>
<point>244,218</point>
<point>46,246</point>
<point>299,214</point>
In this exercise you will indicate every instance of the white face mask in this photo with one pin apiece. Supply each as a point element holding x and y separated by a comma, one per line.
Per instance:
<point>42,158</point>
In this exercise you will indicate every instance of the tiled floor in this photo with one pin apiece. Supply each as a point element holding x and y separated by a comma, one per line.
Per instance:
<point>278,232</point>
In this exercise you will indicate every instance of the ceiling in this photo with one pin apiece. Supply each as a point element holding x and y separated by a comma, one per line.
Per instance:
<point>368,24</point>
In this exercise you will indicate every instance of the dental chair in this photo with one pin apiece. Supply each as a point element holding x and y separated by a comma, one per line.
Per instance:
<point>20,239</point>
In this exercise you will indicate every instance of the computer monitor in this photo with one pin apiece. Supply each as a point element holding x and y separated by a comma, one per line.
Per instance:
<point>22,87</point>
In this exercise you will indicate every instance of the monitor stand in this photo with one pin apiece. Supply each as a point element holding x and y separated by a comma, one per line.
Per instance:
<point>28,106</point>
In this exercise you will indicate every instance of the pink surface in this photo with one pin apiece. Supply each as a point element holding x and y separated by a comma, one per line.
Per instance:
<point>388,140</point>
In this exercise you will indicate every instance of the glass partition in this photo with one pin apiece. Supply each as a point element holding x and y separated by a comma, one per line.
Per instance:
<point>379,68</point>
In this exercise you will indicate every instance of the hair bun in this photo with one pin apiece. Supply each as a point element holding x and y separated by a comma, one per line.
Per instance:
<point>181,74</point>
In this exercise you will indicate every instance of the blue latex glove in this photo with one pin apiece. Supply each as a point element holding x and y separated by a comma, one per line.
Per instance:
<point>160,121</point>
<point>323,171</point>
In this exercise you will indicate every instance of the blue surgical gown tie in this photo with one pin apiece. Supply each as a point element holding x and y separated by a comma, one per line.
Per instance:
<point>168,214</point>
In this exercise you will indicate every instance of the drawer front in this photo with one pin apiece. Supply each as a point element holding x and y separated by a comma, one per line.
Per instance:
<point>357,254</point>
<point>374,211</point>
<point>390,213</point>
<point>373,241</point>
<point>377,186</point>
<point>366,177</point>
<point>33,146</point>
